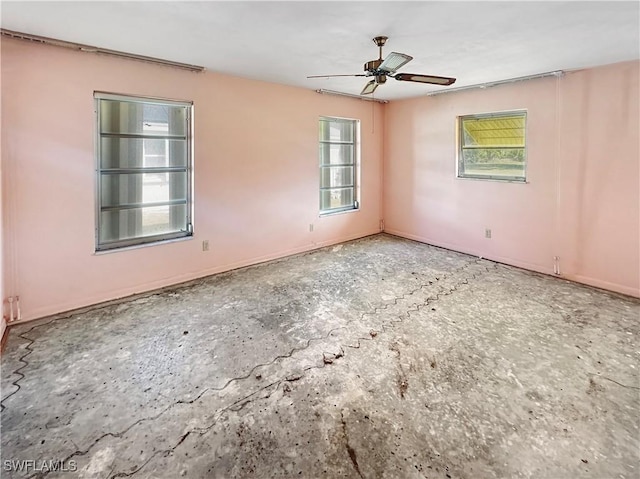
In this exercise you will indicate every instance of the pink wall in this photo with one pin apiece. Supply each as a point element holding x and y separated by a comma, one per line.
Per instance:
<point>3,321</point>
<point>599,177</point>
<point>256,176</point>
<point>581,201</point>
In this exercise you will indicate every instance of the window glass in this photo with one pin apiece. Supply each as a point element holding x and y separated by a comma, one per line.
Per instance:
<point>144,174</point>
<point>338,162</point>
<point>493,146</point>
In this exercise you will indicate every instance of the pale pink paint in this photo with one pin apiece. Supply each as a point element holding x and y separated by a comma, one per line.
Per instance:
<point>3,314</point>
<point>581,202</point>
<point>256,176</point>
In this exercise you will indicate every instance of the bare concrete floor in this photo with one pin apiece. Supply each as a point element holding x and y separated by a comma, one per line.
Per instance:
<point>381,357</point>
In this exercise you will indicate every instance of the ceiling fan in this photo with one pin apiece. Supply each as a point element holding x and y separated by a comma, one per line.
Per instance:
<point>381,69</point>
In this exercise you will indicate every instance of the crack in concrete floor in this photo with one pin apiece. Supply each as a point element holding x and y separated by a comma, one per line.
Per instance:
<point>213,401</point>
<point>327,358</point>
<point>433,465</point>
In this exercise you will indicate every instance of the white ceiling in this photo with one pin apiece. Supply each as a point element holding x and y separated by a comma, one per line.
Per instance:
<point>283,42</point>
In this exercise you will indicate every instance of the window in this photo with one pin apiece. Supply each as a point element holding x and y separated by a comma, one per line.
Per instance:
<point>339,151</point>
<point>144,170</point>
<point>492,146</point>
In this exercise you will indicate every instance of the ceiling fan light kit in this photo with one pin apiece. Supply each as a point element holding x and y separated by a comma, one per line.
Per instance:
<point>381,69</point>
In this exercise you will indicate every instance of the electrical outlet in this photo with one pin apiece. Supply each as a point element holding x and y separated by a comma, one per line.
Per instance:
<point>487,233</point>
<point>310,227</point>
<point>205,245</point>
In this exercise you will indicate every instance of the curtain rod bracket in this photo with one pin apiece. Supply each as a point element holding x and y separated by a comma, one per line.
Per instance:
<point>358,97</point>
<point>483,86</point>
<point>92,49</point>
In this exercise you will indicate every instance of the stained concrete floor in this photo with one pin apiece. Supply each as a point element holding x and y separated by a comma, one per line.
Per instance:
<point>380,357</point>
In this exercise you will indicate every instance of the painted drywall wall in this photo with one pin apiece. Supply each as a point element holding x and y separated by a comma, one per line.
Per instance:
<point>3,321</point>
<point>256,175</point>
<point>599,177</point>
<point>581,200</point>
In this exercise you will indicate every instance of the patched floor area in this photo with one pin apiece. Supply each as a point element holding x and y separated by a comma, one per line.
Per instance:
<point>381,357</point>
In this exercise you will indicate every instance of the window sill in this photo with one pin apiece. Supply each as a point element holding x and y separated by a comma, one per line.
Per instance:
<point>143,245</point>
<point>340,212</point>
<point>494,180</point>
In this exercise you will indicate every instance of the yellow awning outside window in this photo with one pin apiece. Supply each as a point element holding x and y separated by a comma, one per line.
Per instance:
<point>494,132</point>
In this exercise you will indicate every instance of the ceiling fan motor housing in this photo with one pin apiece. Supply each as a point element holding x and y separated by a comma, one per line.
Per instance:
<point>372,66</point>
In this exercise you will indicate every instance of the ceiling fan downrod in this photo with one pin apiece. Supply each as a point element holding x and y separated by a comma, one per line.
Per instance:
<point>380,41</point>
<point>373,65</point>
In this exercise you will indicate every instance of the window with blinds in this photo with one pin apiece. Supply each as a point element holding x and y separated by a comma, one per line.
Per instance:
<point>144,170</point>
<point>338,152</point>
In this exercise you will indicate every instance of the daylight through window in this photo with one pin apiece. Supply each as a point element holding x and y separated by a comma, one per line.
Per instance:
<point>144,170</point>
<point>493,146</point>
<point>338,164</point>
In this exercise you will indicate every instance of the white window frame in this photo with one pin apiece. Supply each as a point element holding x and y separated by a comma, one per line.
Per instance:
<point>460,173</point>
<point>143,240</point>
<point>356,167</point>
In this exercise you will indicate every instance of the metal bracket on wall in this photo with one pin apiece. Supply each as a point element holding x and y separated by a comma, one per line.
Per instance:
<point>14,309</point>
<point>358,97</point>
<point>556,265</point>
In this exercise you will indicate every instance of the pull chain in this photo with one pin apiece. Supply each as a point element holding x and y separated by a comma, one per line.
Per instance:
<point>373,113</point>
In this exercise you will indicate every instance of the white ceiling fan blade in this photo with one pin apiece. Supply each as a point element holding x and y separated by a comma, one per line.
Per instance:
<point>369,88</point>
<point>394,61</point>
<point>424,78</point>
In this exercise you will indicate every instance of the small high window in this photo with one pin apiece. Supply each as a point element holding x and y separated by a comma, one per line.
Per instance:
<point>339,153</point>
<point>492,146</point>
<point>144,170</point>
